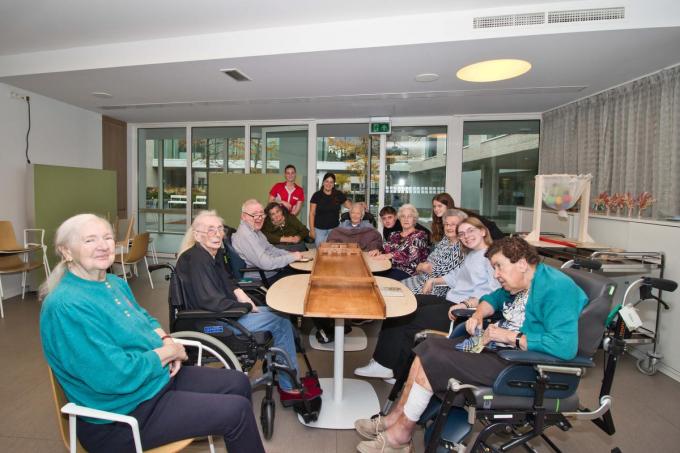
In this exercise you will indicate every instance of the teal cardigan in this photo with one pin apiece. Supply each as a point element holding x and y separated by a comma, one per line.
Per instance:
<point>99,344</point>
<point>552,311</point>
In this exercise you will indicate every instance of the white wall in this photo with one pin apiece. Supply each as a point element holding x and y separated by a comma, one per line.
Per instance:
<point>61,134</point>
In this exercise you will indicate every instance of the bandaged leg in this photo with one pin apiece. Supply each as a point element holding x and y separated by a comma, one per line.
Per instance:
<point>418,399</point>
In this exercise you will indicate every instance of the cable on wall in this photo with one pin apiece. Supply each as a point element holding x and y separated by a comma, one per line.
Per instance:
<point>28,104</point>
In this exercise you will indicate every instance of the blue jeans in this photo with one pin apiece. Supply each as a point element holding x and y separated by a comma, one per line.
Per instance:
<point>282,331</point>
<point>320,236</point>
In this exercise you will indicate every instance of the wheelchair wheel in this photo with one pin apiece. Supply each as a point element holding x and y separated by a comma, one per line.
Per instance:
<point>215,354</point>
<point>267,413</point>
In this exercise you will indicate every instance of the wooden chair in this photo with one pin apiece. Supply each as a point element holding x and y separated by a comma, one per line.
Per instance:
<point>137,253</point>
<point>124,230</point>
<point>16,258</point>
<point>67,413</point>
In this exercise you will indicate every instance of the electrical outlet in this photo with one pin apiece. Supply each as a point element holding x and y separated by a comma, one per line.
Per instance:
<point>14,95</point>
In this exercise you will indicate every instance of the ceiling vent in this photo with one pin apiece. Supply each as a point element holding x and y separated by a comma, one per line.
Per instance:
<point>586,15</point>
<point>236,75</point>
<point>509,20</point>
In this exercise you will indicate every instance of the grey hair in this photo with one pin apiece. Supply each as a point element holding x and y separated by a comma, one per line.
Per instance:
<point>408,207</point>
<point>249,202</point>
<point>189,239</point>
<point>454,213</point>
<point>358,204</point>
<point>66,236</point>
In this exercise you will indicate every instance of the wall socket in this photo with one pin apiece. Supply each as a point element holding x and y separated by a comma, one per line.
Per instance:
<point>22,97</point>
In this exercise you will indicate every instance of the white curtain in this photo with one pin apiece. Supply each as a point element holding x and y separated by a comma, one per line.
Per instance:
<point>628,138</point>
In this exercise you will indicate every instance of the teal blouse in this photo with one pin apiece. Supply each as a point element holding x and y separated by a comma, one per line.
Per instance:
<point>99,343</point>
<point>552,311</point>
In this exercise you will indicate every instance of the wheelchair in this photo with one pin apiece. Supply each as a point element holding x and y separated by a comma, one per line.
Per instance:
<point>534,392</point>
<point>239,351</point>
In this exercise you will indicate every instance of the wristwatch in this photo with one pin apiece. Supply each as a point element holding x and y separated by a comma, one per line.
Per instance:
<point>519,335</point>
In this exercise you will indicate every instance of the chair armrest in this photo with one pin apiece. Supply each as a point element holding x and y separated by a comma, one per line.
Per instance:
<point>463,312</point>
<point>539,358</point>
<point>428,333</point>
<point>73,410</point>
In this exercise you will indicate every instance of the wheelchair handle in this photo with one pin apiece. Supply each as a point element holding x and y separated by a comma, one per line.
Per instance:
<point>660,283</point>
<point>155,267</point>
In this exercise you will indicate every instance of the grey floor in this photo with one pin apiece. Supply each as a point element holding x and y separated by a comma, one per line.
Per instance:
<point>646,409</point>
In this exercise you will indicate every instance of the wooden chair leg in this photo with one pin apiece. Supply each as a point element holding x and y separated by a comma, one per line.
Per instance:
<point>146,263</point>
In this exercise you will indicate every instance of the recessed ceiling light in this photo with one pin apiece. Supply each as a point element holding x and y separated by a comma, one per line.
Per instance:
<point>236,74</point>
<point>102,94</point>
<point>427,77</point>
<point>493,70</point>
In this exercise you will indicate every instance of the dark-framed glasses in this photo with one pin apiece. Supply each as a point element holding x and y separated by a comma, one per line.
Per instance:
<point>257,215</point>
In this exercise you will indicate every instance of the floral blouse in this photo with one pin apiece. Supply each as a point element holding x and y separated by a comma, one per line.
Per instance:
<point>444,258</point>
<point>407,251</point>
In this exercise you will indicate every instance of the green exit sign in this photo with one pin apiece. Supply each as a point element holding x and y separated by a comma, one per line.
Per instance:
<point>380,127</point>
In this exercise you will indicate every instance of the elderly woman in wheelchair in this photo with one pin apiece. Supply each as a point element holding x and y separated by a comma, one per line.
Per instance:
<point>540,307</point>
<point>109,354</point>
<point>208,285</point>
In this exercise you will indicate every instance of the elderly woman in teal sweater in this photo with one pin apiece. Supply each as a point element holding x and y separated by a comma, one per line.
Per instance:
<point>108,353</point>
<point>540,307</point>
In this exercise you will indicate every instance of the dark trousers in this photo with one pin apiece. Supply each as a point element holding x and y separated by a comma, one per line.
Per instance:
<point>197,402</point>
<point>395,340</point>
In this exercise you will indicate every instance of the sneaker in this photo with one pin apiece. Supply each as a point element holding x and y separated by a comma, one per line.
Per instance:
<point>390,381</point>
<point>375,370</point>
<point>380,445</point>
<point>370,427</point>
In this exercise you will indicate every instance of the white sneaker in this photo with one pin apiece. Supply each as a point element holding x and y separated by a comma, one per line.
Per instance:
<point>374,370</point>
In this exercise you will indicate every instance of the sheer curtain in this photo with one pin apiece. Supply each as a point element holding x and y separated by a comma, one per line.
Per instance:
<point>628,138</point>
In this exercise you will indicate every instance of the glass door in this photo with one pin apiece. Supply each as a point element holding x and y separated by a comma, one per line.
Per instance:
<point>500,160</point>
<point>162,190</point>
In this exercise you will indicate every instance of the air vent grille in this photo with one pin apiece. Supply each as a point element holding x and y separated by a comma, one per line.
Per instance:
<point>509,20</point>
<point>236,75</point>
<point>586,15</point>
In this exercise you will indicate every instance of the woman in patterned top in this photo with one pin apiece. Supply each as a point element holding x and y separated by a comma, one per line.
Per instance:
<point>446,256</point>
<point>406,248</point>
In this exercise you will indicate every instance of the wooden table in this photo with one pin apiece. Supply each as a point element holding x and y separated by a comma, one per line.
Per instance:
<point>376,265</point>
<point>340,408</point>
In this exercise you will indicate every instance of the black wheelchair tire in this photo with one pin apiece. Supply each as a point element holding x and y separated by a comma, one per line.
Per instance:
<point>223,352</point>
<point>267,414</point>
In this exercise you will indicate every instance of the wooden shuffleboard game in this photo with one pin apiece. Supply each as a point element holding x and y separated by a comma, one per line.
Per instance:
<point>342,286</point>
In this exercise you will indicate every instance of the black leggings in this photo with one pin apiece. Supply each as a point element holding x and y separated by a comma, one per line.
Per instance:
<point>396,335</point>
<point>197,402</point>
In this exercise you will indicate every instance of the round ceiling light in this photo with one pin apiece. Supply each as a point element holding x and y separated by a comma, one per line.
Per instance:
<point>427,77</point>
<point>493,70</point>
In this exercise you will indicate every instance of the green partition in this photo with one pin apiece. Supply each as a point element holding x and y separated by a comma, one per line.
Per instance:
<point>228,191</point>
<point>61,192</point>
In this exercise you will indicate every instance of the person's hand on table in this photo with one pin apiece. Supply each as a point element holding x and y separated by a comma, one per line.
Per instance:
<point>298,256</point>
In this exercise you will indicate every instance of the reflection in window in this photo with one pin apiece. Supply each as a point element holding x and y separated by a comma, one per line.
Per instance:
<point>500,160</point>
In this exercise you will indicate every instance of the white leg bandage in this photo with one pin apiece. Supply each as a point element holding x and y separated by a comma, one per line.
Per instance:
<point>417,402</point>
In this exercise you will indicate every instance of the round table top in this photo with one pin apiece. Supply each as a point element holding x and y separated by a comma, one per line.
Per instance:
<point>288,295</point>
<point>375,265</point>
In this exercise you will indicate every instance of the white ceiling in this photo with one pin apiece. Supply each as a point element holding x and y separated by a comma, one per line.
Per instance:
<point>328,60</point>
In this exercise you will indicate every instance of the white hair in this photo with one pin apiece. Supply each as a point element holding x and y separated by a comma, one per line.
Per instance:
<point>189,238</point>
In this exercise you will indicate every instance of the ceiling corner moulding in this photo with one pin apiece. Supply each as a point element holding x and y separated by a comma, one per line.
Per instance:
<point>552,17</point>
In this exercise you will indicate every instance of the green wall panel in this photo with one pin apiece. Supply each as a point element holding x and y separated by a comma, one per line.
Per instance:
<point>228,191</point>
<point>61,192</point>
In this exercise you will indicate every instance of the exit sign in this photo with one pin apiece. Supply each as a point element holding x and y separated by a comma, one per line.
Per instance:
<point>380,126</point>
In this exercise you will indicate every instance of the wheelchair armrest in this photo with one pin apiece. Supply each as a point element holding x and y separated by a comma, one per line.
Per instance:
<point>463,312</point>
<point>235,312</point>
<point>539,358</point>
<point>428,333</point>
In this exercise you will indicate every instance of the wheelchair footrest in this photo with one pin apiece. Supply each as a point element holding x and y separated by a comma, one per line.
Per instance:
<point>455,429</point>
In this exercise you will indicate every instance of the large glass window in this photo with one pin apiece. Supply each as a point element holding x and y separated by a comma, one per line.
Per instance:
<point>500,160</point>
<point>214,149</point>
<point>346,150</point>
<point>162,185</point>
<point>416,167</point>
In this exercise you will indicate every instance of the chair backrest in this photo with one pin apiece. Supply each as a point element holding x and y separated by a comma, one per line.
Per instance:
<point>591,324</point>
<point>176,298</point>
<point>236,263</point>
<point>140,245</point>
<point>8,241</point>
<point>59,401</point>
<point>124,229</point>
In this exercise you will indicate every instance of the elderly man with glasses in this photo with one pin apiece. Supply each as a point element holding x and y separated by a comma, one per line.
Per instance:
<point>252,245</point>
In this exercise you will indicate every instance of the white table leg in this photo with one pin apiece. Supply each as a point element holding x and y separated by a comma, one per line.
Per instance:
<point>338,411</point>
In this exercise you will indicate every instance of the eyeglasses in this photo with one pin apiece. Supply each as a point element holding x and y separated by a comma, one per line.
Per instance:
<point>259,215</point>
<point>469,231</point>
<point>212,231</point>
